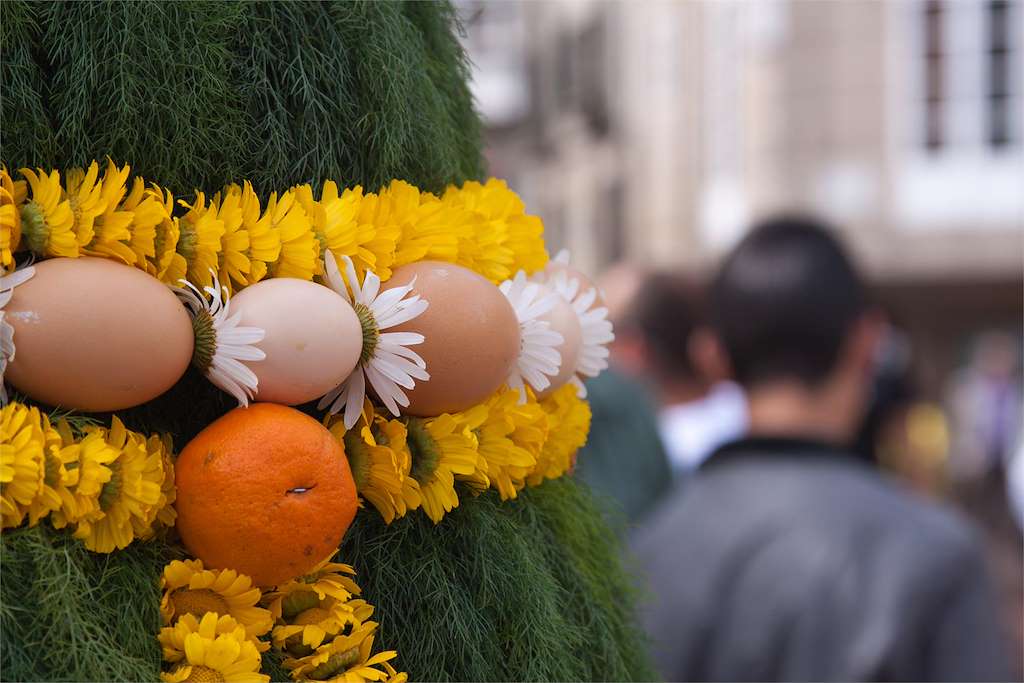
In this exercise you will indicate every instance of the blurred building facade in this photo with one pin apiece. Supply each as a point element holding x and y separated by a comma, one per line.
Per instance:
<point>656,131</point>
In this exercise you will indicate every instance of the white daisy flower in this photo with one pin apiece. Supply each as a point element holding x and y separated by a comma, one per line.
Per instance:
<point>597,329</point>
<point>7,284</point>
<point>386,361</point>
<point>222,346</point>
<point>539,357</point>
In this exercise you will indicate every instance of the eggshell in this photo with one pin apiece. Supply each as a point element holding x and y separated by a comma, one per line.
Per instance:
<point>563,319</point>
<point>313,338</point>
<point>93,334</point>
<point>472,336</point>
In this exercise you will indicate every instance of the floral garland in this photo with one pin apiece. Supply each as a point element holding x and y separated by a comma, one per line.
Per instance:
<point>109,485</point>
<point>482,227</point>
<point>216,621</point>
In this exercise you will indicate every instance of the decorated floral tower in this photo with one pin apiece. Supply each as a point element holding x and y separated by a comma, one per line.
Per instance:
<point>292,391</point>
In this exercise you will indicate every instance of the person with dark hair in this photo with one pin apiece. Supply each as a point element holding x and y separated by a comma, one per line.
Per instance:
<point>787,557</point>
<point>666,327</point>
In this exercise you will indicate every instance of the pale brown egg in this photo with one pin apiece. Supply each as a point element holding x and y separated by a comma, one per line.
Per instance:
<point>313,338</point>
<point>93,334</point>
<point>472,336</point>
<point>552,270</point>
<point>563,319</point>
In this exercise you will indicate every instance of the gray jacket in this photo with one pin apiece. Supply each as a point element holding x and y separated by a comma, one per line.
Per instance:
<point>783,560</point>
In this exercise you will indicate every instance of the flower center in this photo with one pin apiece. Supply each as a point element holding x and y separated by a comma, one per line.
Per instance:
<point>425,454</point>
<point>34,227</point>
<point>111,490</point>
<point>204,674</point>
<point>371,334</point>
<point>206,340</point>
<point>198,602</point>
<point>336,664</point>
<point>187,241</point>
<point>297,602</point>
<point>52,477</point>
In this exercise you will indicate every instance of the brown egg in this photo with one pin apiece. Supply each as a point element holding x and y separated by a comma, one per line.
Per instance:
<point>563,319</point>
<point>93,334</point>
<point>472,336</point>
<point>313,338</point>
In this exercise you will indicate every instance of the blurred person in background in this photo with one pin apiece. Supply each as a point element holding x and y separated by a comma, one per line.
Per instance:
<point>623,460</point>
<point>787,557</point>
<point>665,340</point>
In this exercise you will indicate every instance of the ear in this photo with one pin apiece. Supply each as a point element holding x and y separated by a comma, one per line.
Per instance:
<point>708,357</point>
<point>629,353</point>
<point>865,341</point>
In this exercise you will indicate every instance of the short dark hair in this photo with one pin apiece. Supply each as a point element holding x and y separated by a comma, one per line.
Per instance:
<point>784,301</point>
<point>665,311</point>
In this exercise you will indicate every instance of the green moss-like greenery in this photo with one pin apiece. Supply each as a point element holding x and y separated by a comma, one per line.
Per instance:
<point>198,94</point>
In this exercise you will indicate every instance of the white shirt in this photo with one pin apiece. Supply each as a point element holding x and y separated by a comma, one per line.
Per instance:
<point>691,431</point>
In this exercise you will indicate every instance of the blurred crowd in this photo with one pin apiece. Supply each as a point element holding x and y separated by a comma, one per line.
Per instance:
<point>795,508</point>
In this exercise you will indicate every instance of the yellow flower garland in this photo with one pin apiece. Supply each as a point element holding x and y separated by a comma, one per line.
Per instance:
<point>482,227</point>
<point>112,485</point>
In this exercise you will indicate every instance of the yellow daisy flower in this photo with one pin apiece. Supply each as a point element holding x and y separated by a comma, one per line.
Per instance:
<point>569,420</point>
<point>22,441</point>
<point>85,194</point>
<point>300,634</point>
<point>166,514</point>
<point>234,258</point>
<point>441,447</point>
<point>172,638</point>
<point>336,222</point>
<point>147,213</point>
<point>167,265</point>
<point>112,225</point>
<point>508,462</point>
<point>472,421</point>
<point>212,654</point>
<point>54,492</point>
<point>47,221</point>
<point>188,588</point>
<point>12,196</point>
<point>378,235</point>
<point>375,468</point>
<point>128,500</point>
<point>346,658</point>
<point>328,579</point>
<point>199,241</point>
<point>88,465</point>
<point>393,434</point>
<point>264,241</point>
<point>503,214</point>
<point>430,229</point>
<point>300,250</point>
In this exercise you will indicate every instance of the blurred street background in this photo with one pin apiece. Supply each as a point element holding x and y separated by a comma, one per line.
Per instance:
<point>652,134</point>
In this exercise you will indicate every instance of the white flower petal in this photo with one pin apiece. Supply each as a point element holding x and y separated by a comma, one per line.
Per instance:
<point>392,367</point>
<point>539,358</point>
<point>233,343</point>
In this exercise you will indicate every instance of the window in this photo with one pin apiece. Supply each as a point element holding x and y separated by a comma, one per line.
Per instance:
<point>998,58</point>
<point>934,78</point>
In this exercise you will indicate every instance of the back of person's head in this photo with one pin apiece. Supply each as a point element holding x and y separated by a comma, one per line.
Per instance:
<point>784,302</point>
<point>665,312</point>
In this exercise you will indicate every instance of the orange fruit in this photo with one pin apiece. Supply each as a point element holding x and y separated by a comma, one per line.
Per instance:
<point>266,491</point>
